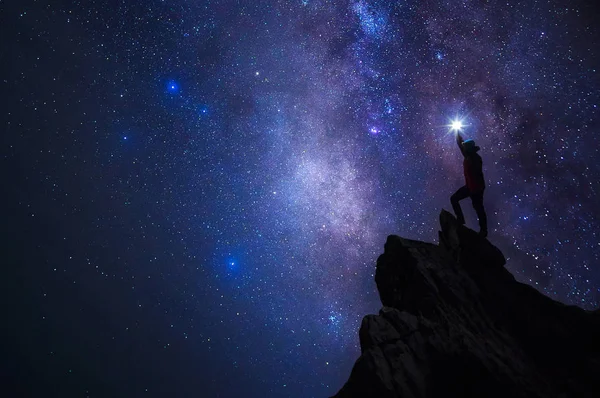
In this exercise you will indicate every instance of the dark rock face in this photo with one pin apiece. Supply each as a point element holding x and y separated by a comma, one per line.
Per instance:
<point>456,323</point>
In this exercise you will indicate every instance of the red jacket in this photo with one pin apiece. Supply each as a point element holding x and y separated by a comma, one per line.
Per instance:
<point>472,167</point>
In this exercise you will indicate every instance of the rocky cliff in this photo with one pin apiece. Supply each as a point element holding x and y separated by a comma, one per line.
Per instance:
<point>456,323</point>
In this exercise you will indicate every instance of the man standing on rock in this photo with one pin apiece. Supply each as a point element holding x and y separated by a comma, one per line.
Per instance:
<point>474,184</point>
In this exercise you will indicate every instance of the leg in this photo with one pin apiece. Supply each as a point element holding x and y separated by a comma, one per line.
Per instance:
<point>477,199</point>
<point>459,195</point>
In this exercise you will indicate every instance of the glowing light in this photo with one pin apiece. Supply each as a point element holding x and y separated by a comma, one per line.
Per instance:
<point>456,125</point>
<point>172,86</point>
<point>232,265</point>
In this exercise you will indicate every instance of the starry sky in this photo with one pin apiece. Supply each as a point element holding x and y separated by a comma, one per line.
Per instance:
<point>195,192</point>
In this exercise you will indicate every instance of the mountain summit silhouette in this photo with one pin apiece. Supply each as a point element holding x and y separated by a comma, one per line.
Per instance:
<point>456,323</point>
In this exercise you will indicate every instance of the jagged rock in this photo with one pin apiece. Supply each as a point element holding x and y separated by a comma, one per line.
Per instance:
<point>456,323</point>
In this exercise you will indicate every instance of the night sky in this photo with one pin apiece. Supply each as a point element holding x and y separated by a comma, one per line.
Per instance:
<point>195,192</point>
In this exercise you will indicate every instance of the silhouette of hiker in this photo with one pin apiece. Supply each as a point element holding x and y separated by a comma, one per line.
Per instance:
<point>474,184</point>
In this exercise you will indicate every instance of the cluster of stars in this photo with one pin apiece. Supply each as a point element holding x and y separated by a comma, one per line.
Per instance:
<point>206,180</point>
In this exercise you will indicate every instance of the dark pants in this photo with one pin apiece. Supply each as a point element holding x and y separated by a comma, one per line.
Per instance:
<point>476,199</point>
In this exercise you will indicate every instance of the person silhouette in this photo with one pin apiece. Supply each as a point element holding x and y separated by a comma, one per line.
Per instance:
<point>474,184</point>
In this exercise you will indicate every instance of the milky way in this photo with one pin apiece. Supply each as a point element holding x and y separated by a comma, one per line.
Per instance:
<point>198,191</point>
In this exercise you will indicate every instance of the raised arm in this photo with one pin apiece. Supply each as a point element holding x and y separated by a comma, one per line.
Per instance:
<point>459,141</point>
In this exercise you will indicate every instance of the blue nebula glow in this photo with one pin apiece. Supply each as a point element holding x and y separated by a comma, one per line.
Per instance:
<point>172,86</point>
<point>232,265</point>
<point>372,22</point>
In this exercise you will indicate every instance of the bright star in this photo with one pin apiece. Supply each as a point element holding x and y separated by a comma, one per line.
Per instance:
<point>456,125</point>
<point>232,266</point>
<point>172,86</point>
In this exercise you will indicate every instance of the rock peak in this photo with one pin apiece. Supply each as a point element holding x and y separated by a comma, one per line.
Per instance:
<point>456,323</point>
